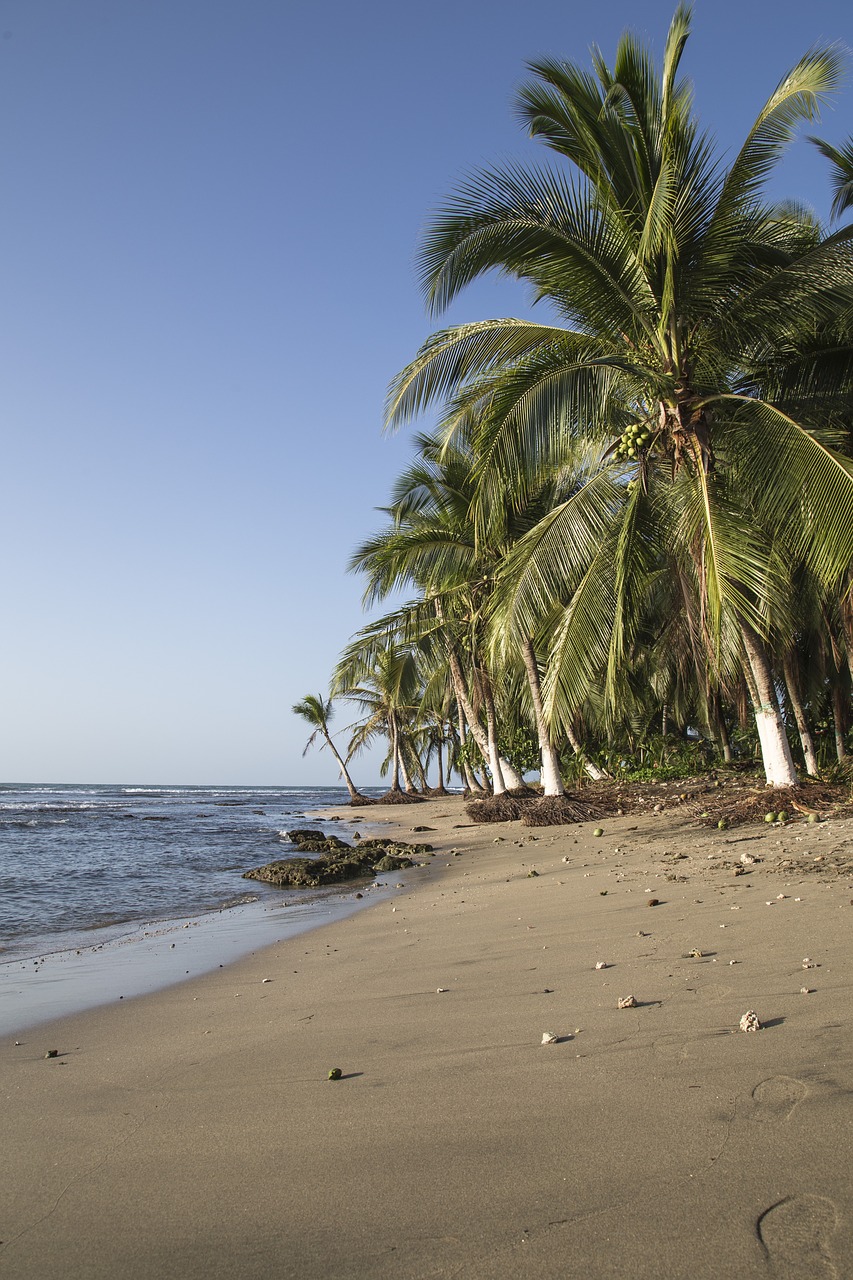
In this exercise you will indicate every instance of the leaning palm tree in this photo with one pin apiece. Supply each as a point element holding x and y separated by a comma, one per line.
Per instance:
<point>679,297</point>
<point>317,711</point>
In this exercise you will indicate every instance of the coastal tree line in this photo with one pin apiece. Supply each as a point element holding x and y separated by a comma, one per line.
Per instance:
<point>628,537</point>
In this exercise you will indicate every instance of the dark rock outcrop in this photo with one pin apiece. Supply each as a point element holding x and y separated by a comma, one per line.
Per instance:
<point>336,862</point>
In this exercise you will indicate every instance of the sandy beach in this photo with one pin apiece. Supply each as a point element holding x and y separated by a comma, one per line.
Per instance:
<point>194,1132</point>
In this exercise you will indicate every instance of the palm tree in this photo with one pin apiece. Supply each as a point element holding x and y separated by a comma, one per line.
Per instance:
<point>681,300</point>
<point>384,682</point>
<point>317,712</point>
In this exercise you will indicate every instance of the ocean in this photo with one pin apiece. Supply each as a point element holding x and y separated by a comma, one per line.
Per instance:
<point>110,891</point>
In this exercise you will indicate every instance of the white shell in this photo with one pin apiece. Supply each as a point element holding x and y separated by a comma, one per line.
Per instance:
<point>548,1037</point>
<point>601,964</point>
<point>808,963</point>
<point>749,1021</point>
<point>627,1002</point>
<point>747,859</point>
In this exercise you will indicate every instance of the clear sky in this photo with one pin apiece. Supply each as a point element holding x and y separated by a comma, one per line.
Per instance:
<point>210,211</point>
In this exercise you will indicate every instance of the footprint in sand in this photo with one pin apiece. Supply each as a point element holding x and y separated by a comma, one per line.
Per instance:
<point>795,1235</point>
<point>776,1098</point>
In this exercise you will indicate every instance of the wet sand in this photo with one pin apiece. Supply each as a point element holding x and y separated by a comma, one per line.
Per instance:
<point>194,1132</point>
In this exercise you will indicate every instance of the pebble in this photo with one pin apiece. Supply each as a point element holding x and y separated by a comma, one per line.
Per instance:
<point>750,1022</point>
<point>627,1002</point>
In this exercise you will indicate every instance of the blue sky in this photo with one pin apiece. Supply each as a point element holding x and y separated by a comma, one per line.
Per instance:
<point>210,216</point>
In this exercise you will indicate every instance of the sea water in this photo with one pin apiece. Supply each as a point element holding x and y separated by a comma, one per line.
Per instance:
<point>109,891</point>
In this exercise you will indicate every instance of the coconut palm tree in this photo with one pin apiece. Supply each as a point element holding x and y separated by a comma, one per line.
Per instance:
<point>679,299</point>
<point>317,711</point>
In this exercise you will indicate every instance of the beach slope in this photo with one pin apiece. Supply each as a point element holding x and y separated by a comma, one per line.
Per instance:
<point>195,1133</point>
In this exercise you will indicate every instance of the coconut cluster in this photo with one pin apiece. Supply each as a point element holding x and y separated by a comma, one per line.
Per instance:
<point>632,441</point>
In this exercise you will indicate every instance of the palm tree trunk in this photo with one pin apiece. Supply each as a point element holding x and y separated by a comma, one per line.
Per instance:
<point>500,766</point>
<point>775,749</point>
<point>718,722</point>
<point>395,752</point>
<point>838,718</point>
<point>552,783</point>
<point>407,777</point>
<point>477,731</point>
<point>466,773</point>
<point>806,740</point>
<point>440,763</point>
<point>354,793</point>
<point>592,770</point>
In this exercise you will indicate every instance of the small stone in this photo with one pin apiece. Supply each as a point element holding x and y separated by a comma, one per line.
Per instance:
<point>627,1002</point>
<point>750,1022</point>
<point>601,964</point>
<point>532,872</point>
<point>548,1037</point>
<point>439,991</point>
<point>694,954</point>
<point>52,1053</point>
<point>805,991</point>
<point>653,902</point>
<point>335,1073</point>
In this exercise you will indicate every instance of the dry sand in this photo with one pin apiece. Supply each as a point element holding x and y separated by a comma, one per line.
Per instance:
<point>194,1132</point>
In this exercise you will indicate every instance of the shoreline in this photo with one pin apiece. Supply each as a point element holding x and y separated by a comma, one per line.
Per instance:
<point>43,978</point>
<point>193,1132</point>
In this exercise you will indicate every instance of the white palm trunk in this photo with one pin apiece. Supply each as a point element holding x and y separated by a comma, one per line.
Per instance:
<point>552,783</point>
<point>776,755</point>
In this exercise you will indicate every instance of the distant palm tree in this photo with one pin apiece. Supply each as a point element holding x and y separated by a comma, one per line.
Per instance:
<point>318,712</point>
